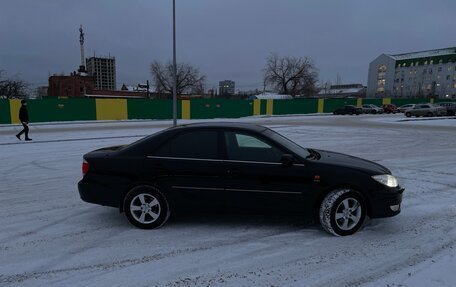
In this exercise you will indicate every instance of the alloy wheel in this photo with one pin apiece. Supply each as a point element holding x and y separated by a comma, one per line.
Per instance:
<point>145,208</point>
<point>348,213</point>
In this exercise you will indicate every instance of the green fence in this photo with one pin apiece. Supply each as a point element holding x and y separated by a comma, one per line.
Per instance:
<point>400,102</point>
<point>377,102</point>
<point>73,109</point>
<point>220,108</point>
<point>5,117</point>
<point>332,104</point>
<point>150,109</point>
<point>302,106</point>
<point>49,110</point>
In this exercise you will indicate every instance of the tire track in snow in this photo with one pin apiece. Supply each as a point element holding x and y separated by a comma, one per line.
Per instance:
<point>114,265</point>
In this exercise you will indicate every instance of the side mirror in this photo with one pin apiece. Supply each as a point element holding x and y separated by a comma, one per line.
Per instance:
<point>287,160</point>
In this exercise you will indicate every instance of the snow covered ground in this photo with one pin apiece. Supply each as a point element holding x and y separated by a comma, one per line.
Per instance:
<point>49,237</point>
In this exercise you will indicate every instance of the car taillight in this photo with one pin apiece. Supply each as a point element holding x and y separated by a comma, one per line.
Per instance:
<point>85,167</point>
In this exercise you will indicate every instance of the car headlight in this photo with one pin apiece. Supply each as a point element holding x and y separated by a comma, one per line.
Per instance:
<point>386,179</point>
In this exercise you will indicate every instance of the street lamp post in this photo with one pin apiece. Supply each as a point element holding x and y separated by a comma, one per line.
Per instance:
<point>174,67</point>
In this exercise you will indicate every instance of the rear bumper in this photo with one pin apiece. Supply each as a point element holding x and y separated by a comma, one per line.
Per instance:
<point>386,203</point>
<point>96,193</point>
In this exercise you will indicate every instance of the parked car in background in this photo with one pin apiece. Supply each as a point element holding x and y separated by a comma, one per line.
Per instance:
<point>403,108</point>
<point>389,109</point>
<point>426,110</point>
<point>372,109</point>
<point>237,166</point>
<point>348,110</point>
<point>450,108</point>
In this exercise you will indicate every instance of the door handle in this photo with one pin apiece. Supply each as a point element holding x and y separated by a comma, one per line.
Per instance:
<point>233,172</point>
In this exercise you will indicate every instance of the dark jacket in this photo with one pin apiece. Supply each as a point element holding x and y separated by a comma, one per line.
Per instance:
<point>23,114</point>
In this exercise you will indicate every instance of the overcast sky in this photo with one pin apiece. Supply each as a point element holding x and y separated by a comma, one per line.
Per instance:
<point>226,39</point>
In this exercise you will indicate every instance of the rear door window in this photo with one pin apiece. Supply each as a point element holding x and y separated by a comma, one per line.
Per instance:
<point>197,144</point>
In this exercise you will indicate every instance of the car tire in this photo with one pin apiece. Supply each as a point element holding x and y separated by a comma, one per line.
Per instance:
<point>430,114</point>
<point>342,212</point>
<point>146,207</point>
<point>408,114</point>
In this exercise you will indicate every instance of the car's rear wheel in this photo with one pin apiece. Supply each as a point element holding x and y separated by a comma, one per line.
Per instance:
<point>146,207</point>
<point>408,114</point>
<point>430,114</point>
<point>342,212</point>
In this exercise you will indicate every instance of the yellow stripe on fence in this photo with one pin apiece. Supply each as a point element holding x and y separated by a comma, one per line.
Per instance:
<point>256,107</point>
<point>111,109</point>
<point>185,109</point>
<point>359,102</point>
<point>321,105</point>
<point>386,101</point>
<point>269,107</point>
<point>15,105</point>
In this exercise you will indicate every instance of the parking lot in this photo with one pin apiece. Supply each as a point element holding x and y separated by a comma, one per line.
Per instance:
<point>50,237</point>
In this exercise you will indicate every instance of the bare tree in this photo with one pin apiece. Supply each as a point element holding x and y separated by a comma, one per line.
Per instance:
<point>12,88</point>
<point>188,77</point>
<point>291,76</point>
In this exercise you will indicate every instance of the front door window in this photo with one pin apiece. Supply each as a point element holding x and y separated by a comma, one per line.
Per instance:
<point>244,147</point>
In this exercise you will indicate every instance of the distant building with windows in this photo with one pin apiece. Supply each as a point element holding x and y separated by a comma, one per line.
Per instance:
<point>103,70</point>
<point>416,74</point>
<point>227,88</point>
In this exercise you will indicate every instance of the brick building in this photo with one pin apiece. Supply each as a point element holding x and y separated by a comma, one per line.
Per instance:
<point>74,85</point>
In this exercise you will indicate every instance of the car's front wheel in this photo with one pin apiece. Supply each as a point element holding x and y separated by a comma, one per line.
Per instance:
<point>408,114</point>
<point>146,207</point>
<point>342,212</point>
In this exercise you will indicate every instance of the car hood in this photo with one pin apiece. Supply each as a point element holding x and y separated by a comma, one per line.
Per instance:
<point>344,160</point>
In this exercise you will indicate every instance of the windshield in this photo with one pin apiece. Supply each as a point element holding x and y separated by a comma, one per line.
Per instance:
<point>289,144</point>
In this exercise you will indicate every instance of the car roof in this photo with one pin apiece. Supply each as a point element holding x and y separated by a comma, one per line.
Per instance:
<point>234,125</point>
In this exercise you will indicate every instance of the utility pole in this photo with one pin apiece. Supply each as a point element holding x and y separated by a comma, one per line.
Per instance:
<point>174,67</point>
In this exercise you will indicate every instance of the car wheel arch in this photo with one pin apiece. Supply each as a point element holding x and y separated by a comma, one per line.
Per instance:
<point>136,184</point>
<point>161,203</point>
<point>326,191</point>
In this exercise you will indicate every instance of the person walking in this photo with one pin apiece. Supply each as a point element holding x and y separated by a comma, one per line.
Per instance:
<point>24,118</point>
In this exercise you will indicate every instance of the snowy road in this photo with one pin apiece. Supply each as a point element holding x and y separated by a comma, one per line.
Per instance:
<point>49,237</point>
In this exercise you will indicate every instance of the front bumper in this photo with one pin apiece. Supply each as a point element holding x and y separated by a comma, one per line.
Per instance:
<point>386,203</point>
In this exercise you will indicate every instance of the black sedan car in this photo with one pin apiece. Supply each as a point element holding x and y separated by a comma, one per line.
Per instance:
<point>348,110</point>
<point>237,166</point>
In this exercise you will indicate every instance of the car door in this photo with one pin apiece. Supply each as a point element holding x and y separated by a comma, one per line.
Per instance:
<point>417,110</point>
<point>255,177</point>
<point>425,109</point>
<point>190,167</point>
